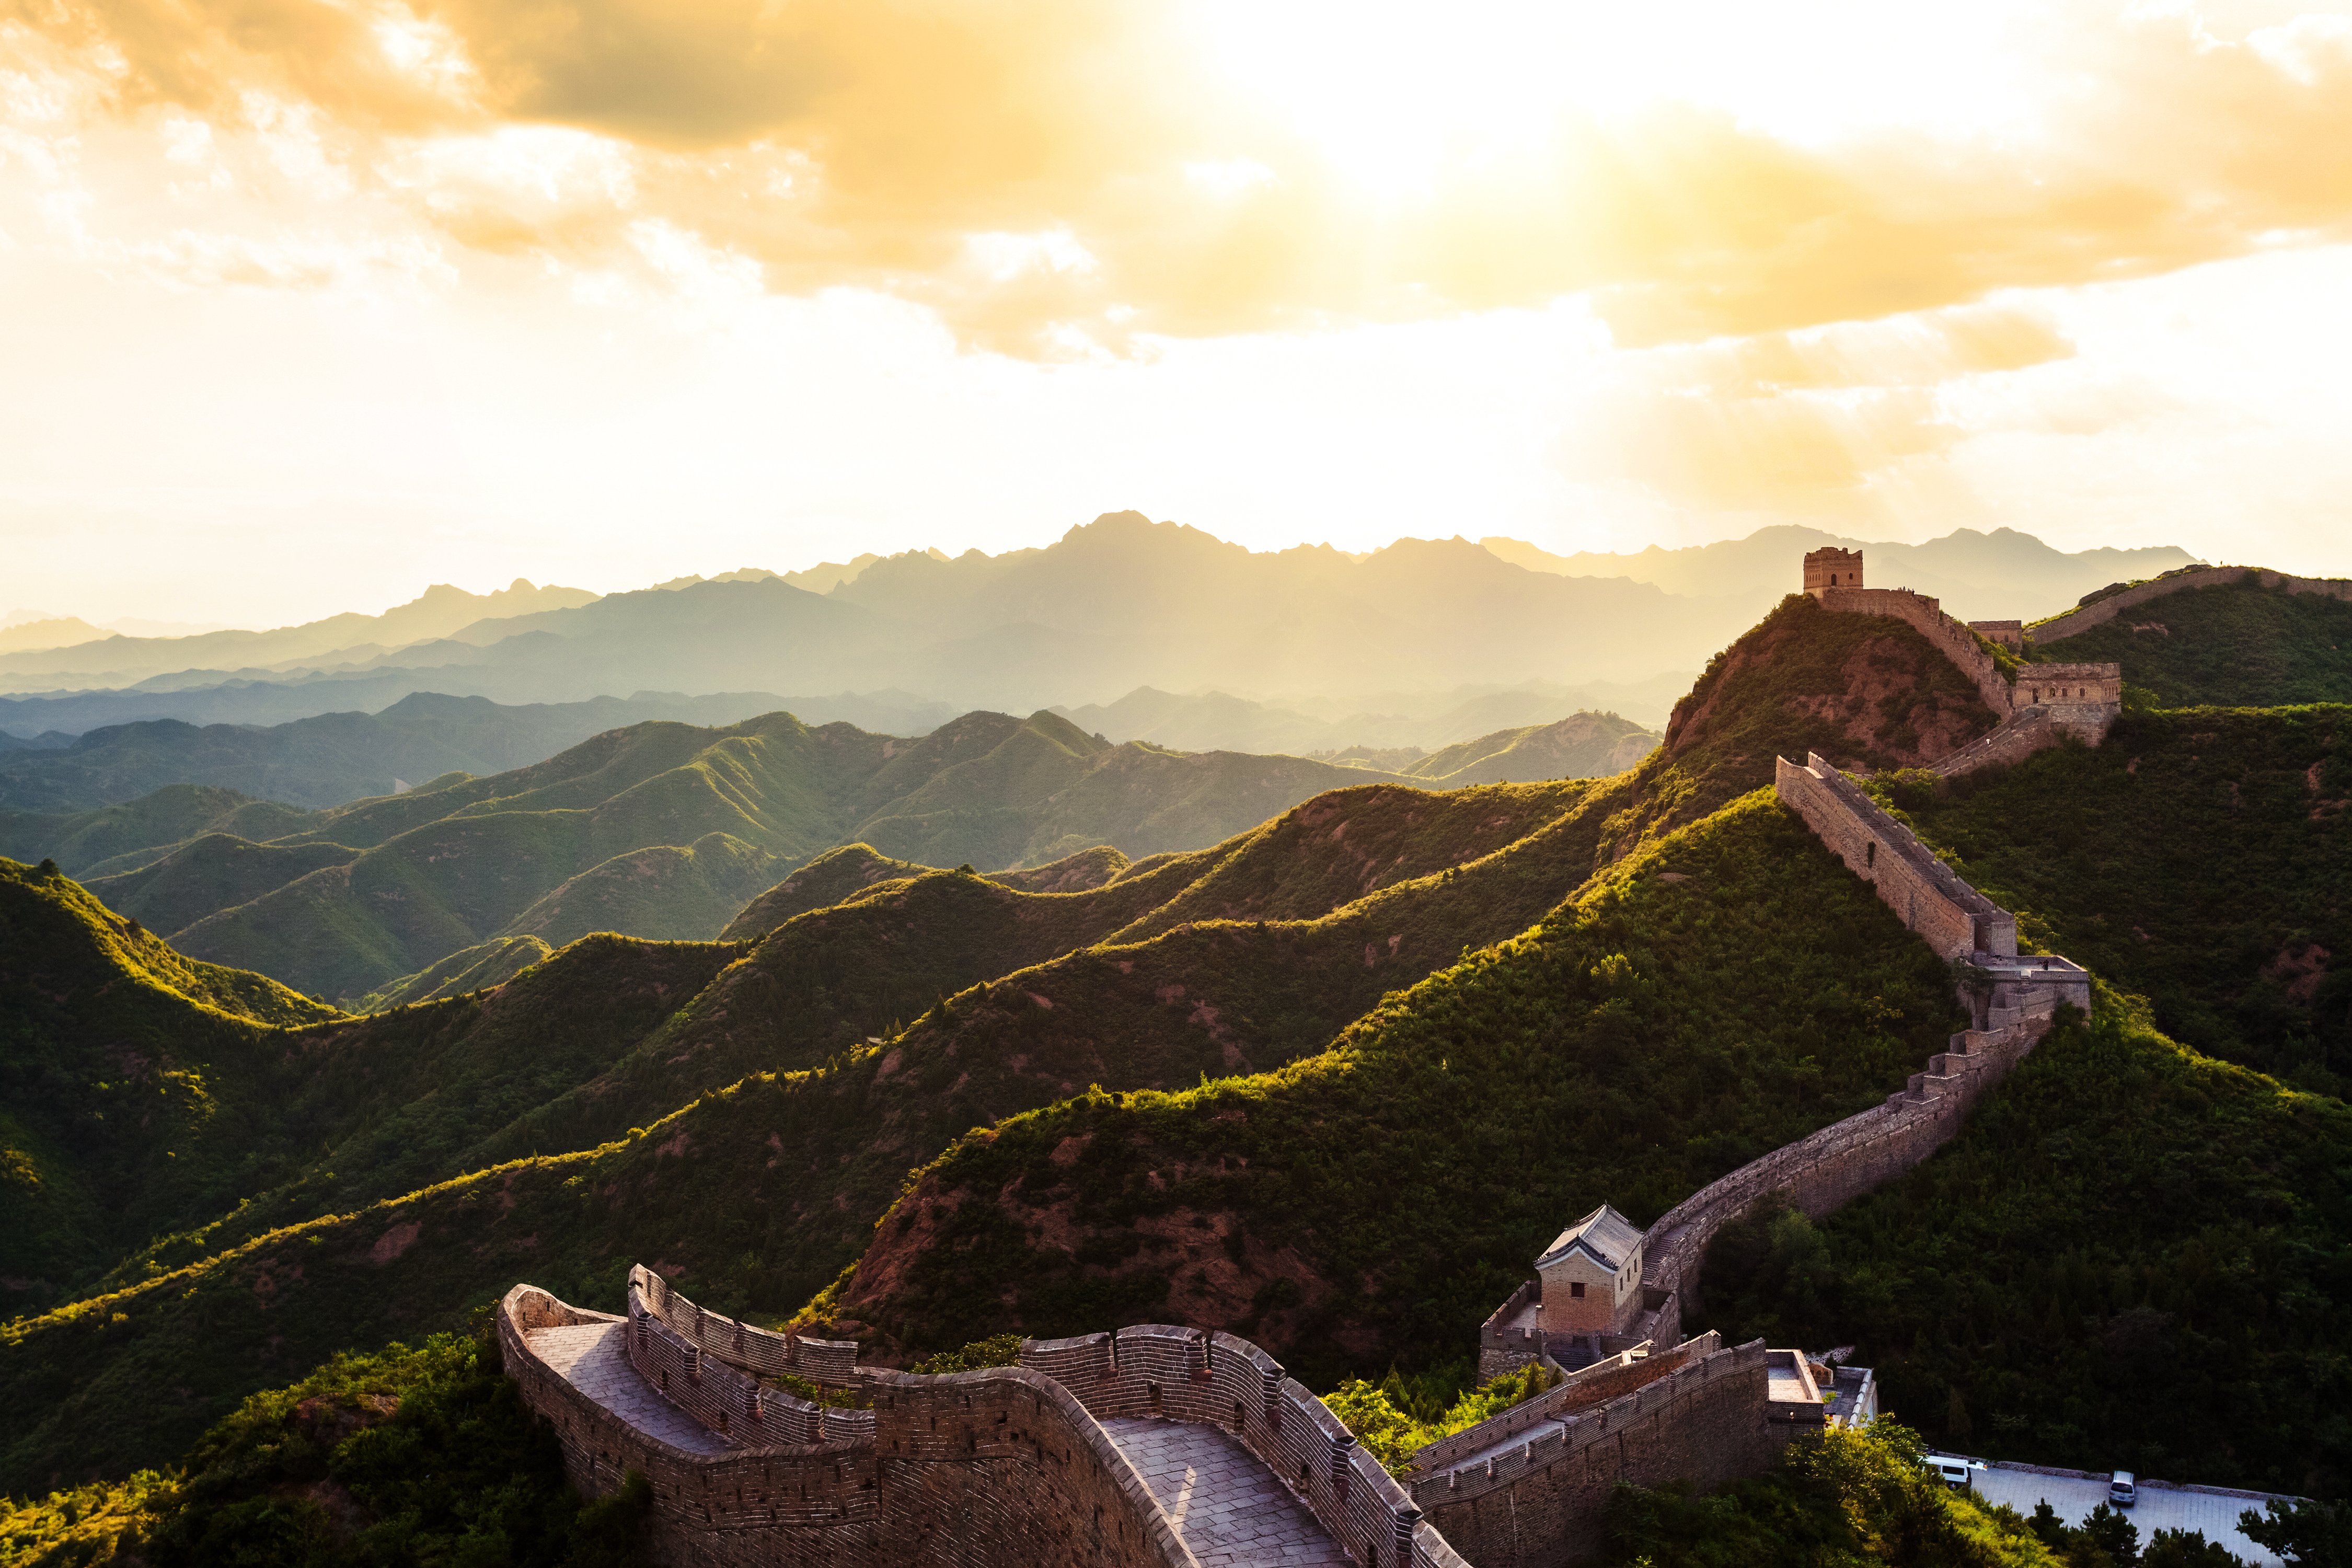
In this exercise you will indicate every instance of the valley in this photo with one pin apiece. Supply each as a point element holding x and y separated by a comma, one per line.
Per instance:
<point>1314,1054</point>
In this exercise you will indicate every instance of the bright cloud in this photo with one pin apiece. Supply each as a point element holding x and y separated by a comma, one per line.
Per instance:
<point>1593,274</point>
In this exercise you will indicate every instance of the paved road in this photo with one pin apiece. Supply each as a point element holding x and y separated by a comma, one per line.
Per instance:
<point>1229,1508</point>
<point>2159,1507</point>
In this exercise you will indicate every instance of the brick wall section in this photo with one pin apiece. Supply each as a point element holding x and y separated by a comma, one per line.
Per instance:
<point>976,1470</point>
<point>1952,917</point>
<point>1595,1384</point>
<point>728,1401</point>
<point>2083,619</point>
<point>2018,737</point>
<point>1953,639</point>
<point>1539,1505</point>
<point>1193,1374</point>
<point>830,1362</point>
<point>999,1467</point>
<point>813,1504</point>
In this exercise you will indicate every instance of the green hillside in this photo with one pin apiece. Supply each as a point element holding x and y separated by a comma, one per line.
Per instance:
<point>332,758</point>
<point>208,873</point>
<point>2199,858</point>
<point>2133,1252</point>
<point>141,831</point>
<point>134,1082</point>
<point>1329,1082</point>
<point>422,1456</point>
<point>760,1194</point>
<point>2237,646</point>
<point>1372,1203</point>
<point>661,830</point>
<point>667,892</point>
<point>476,968</point>
<point>1583,745</point>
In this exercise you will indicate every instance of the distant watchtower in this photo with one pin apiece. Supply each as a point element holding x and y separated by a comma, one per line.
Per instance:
<point>1832,568</point>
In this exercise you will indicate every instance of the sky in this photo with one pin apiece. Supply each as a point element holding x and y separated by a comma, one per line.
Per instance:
<point>304,305</point>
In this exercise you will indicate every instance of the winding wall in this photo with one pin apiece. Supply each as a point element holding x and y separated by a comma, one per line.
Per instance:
<point>1004,1467</point>
<point>2084,617</point>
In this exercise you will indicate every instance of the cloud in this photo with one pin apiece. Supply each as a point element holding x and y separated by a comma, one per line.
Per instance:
<point>967,156</point>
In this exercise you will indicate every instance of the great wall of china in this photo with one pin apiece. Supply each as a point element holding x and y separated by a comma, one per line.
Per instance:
<point>1174,1447</point>
<point>2100,611</point>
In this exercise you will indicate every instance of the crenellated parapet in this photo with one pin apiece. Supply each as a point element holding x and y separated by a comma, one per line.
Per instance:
<point>2037,705</point>
<point>1022,1465</point>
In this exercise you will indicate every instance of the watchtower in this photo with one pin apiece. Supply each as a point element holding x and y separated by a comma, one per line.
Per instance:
<point>1829,567</point>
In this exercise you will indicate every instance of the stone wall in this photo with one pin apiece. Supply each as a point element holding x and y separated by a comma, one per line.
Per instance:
<point>982,1469</point>
<point>999,1467</point>
<point>1603,1381</point>
<point>829,1362</point>
<point>2083,619</point>
<point>1952,917</point>
<point>1539,1504</point>
<point>1953,639</point>
<point>1194,1374</point>
<point>751,1508</point>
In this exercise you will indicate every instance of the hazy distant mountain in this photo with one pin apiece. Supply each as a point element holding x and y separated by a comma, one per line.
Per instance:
<point>56,631</point>
<point>1218,720</point>
<point>334,757</point>
<point>2000,576</point>
<point>269,703</point>
<point>1119,604</point>
<point>121,660</point>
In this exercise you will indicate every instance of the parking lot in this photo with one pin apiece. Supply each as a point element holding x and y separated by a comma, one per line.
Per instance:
<point>2160,1508</point>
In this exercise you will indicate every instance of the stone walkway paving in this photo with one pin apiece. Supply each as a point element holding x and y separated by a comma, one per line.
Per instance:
<point>594,1359</point>
<point>1228,1507</point>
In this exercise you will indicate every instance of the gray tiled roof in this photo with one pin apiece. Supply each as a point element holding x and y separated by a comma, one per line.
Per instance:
<point>1606,1235</point>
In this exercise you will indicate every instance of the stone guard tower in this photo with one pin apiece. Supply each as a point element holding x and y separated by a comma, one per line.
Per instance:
<point>1831,567</point>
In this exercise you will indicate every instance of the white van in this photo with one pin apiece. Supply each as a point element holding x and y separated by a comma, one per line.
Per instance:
<point>1951,1471</point>
<point>2122,1490</point>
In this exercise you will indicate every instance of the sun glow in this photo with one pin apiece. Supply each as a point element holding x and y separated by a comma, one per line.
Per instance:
<point>1399,93</point>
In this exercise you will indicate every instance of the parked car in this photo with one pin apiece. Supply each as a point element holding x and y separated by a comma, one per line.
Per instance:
<point>2122,1490</point>
<point>1952,1471</point>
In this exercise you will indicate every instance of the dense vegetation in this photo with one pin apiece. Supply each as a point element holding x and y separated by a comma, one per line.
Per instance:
<point>2202,859</point>
<point>759,1195</point>
<point>1850,1500</point>
<point>1372,1203</point>
<point>403,1458</point>
<point>331,758</point>
<point>2134,1256</point>
<point>2239,645</point>
<point>662,830</point>
<point>129,1082</point>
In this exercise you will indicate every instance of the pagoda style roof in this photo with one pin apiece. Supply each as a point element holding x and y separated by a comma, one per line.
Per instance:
<point>1604,1235</point>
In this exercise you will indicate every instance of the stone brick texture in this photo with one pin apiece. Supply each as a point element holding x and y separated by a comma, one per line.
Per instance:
<point>1953,918</point>
<point>2083,619</point>
<point>998,1467</point>
<point>1923,615</point>
<point>1539,1504</point>
<point>1596,1385</point>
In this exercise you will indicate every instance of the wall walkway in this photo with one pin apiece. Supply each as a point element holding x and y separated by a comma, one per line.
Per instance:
<point>1157,1446</point>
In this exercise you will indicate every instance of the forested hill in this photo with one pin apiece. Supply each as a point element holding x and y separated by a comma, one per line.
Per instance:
<point>1328,1082</point>
<point>668,830</point>
<point>2238,644</point>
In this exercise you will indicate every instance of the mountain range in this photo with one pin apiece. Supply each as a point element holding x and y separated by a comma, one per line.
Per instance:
<point>1119,604</point>
<point>1329,1081</point>
<point>665,830</point>
<point>2000,576</point>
